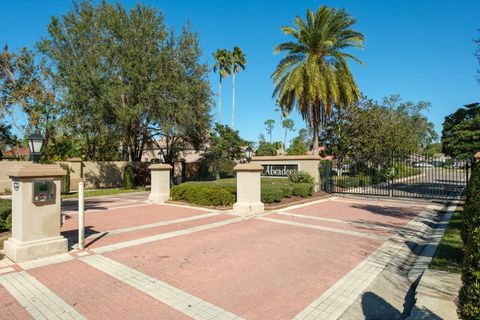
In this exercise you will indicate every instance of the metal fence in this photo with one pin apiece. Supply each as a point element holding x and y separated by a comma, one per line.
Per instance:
<point>412,176</point>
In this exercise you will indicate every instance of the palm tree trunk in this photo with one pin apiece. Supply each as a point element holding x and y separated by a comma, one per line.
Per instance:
<point>219,109</point>
<point>315,116</point>
<point>315,141</point>
<point>233,100</point>
<point>281,121</point>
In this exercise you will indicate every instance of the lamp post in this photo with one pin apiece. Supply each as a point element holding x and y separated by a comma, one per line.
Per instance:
<point>249,154</point>
<point>161,157</point>
<point>35,143</point>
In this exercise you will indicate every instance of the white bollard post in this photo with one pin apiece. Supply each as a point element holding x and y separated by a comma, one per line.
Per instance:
<point>81,215</point>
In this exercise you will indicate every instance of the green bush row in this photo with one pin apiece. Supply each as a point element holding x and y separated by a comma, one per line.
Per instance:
<point>202,194</point>
<point>223,192</point>
<point>469,297</point>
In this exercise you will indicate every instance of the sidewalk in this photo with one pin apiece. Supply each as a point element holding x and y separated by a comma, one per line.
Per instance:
<point>436,294</point>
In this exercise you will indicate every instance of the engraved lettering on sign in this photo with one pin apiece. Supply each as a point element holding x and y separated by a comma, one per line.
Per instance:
<point>278,170</point>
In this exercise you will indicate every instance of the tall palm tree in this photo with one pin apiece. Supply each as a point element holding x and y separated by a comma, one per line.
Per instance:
<point>5,68</point>
<point>223,64</point>
<point>239,61</point>
<point>314,75</point>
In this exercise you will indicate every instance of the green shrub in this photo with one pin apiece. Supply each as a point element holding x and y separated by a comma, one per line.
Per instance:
<point>128,177</point>
<point>5,219</point>
<point>287,190</point>
<point>66,178</point>
<point>469,296</point>
<point>8,222</point>
<point>302,189</point>
<point>203,194</point>
<point>300,177</point>
<point>471,213</point>
<point>271,193</point>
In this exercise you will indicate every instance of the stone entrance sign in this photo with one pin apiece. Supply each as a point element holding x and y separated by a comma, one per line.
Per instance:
<point>35,213</point>
<point>278,170</point>
<point>280,166</point>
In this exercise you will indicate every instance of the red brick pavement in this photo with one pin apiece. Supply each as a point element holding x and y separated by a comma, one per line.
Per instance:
<point>388,214</point>
<point>252,268</point>
<point>96,295</point>
<point>10,308</point>
<point>129,217</point>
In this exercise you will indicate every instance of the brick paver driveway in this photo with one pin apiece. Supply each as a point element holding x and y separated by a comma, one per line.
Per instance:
<point>147,261</point>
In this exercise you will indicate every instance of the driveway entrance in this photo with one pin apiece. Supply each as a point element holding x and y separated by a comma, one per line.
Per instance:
<point>409,176</point>
<point>145,261</point>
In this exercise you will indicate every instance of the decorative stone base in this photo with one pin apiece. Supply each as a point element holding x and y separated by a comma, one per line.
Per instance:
<point>158,197</point>
<point>248,208</point>
<point>31,250</point>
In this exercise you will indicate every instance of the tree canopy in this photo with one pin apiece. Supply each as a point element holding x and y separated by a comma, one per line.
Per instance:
<point>116,80</point>
<point>314,76</point>
<point>374,131</point>
<point>461,132</point>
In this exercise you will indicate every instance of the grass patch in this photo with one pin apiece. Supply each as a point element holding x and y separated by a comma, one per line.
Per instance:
<point>102,192</point>
<point>449,254</point>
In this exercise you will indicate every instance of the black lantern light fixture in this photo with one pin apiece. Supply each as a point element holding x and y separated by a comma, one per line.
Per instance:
<point>249,154</point>
<point>161,157</point>
<point>35,143</point>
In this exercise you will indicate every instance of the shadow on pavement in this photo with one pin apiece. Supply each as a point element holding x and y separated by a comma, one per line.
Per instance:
<point>72,236</point>
<point>375,307</point>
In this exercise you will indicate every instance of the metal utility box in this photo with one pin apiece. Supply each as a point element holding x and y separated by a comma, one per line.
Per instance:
<point>43,191</point>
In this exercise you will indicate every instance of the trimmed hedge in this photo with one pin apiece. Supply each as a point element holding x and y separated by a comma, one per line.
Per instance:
<point>469,297</point>
<point>471,213</point>
<point>223,192</point>
<point>302,189</point>
<point>270,194</point>
<point>203,194</point>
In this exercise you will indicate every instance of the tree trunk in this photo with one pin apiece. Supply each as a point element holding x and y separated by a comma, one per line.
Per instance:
<point>233,100</point>
<point>315,141</point>
<point>315,124</point>
<point>219,110</point>
<point>281,121</point>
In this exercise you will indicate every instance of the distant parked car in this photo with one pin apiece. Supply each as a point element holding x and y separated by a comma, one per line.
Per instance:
<point>422,164</point>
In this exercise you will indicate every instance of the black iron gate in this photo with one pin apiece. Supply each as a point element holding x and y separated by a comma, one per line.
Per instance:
<point>412,176</point>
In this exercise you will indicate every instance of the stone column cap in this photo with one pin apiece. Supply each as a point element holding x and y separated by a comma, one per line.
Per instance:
<point>160,166</point>
<point>251,167</point>
<point>34,170</point>
<point>75,159</point>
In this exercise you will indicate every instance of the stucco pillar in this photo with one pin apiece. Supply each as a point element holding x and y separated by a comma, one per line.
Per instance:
<point>248,189</point>
<point>160,182</point>
<point>35,213</point>
<point>76,172</point>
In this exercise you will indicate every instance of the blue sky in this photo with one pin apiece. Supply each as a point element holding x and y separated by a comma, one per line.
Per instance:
<point>422,50</point>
